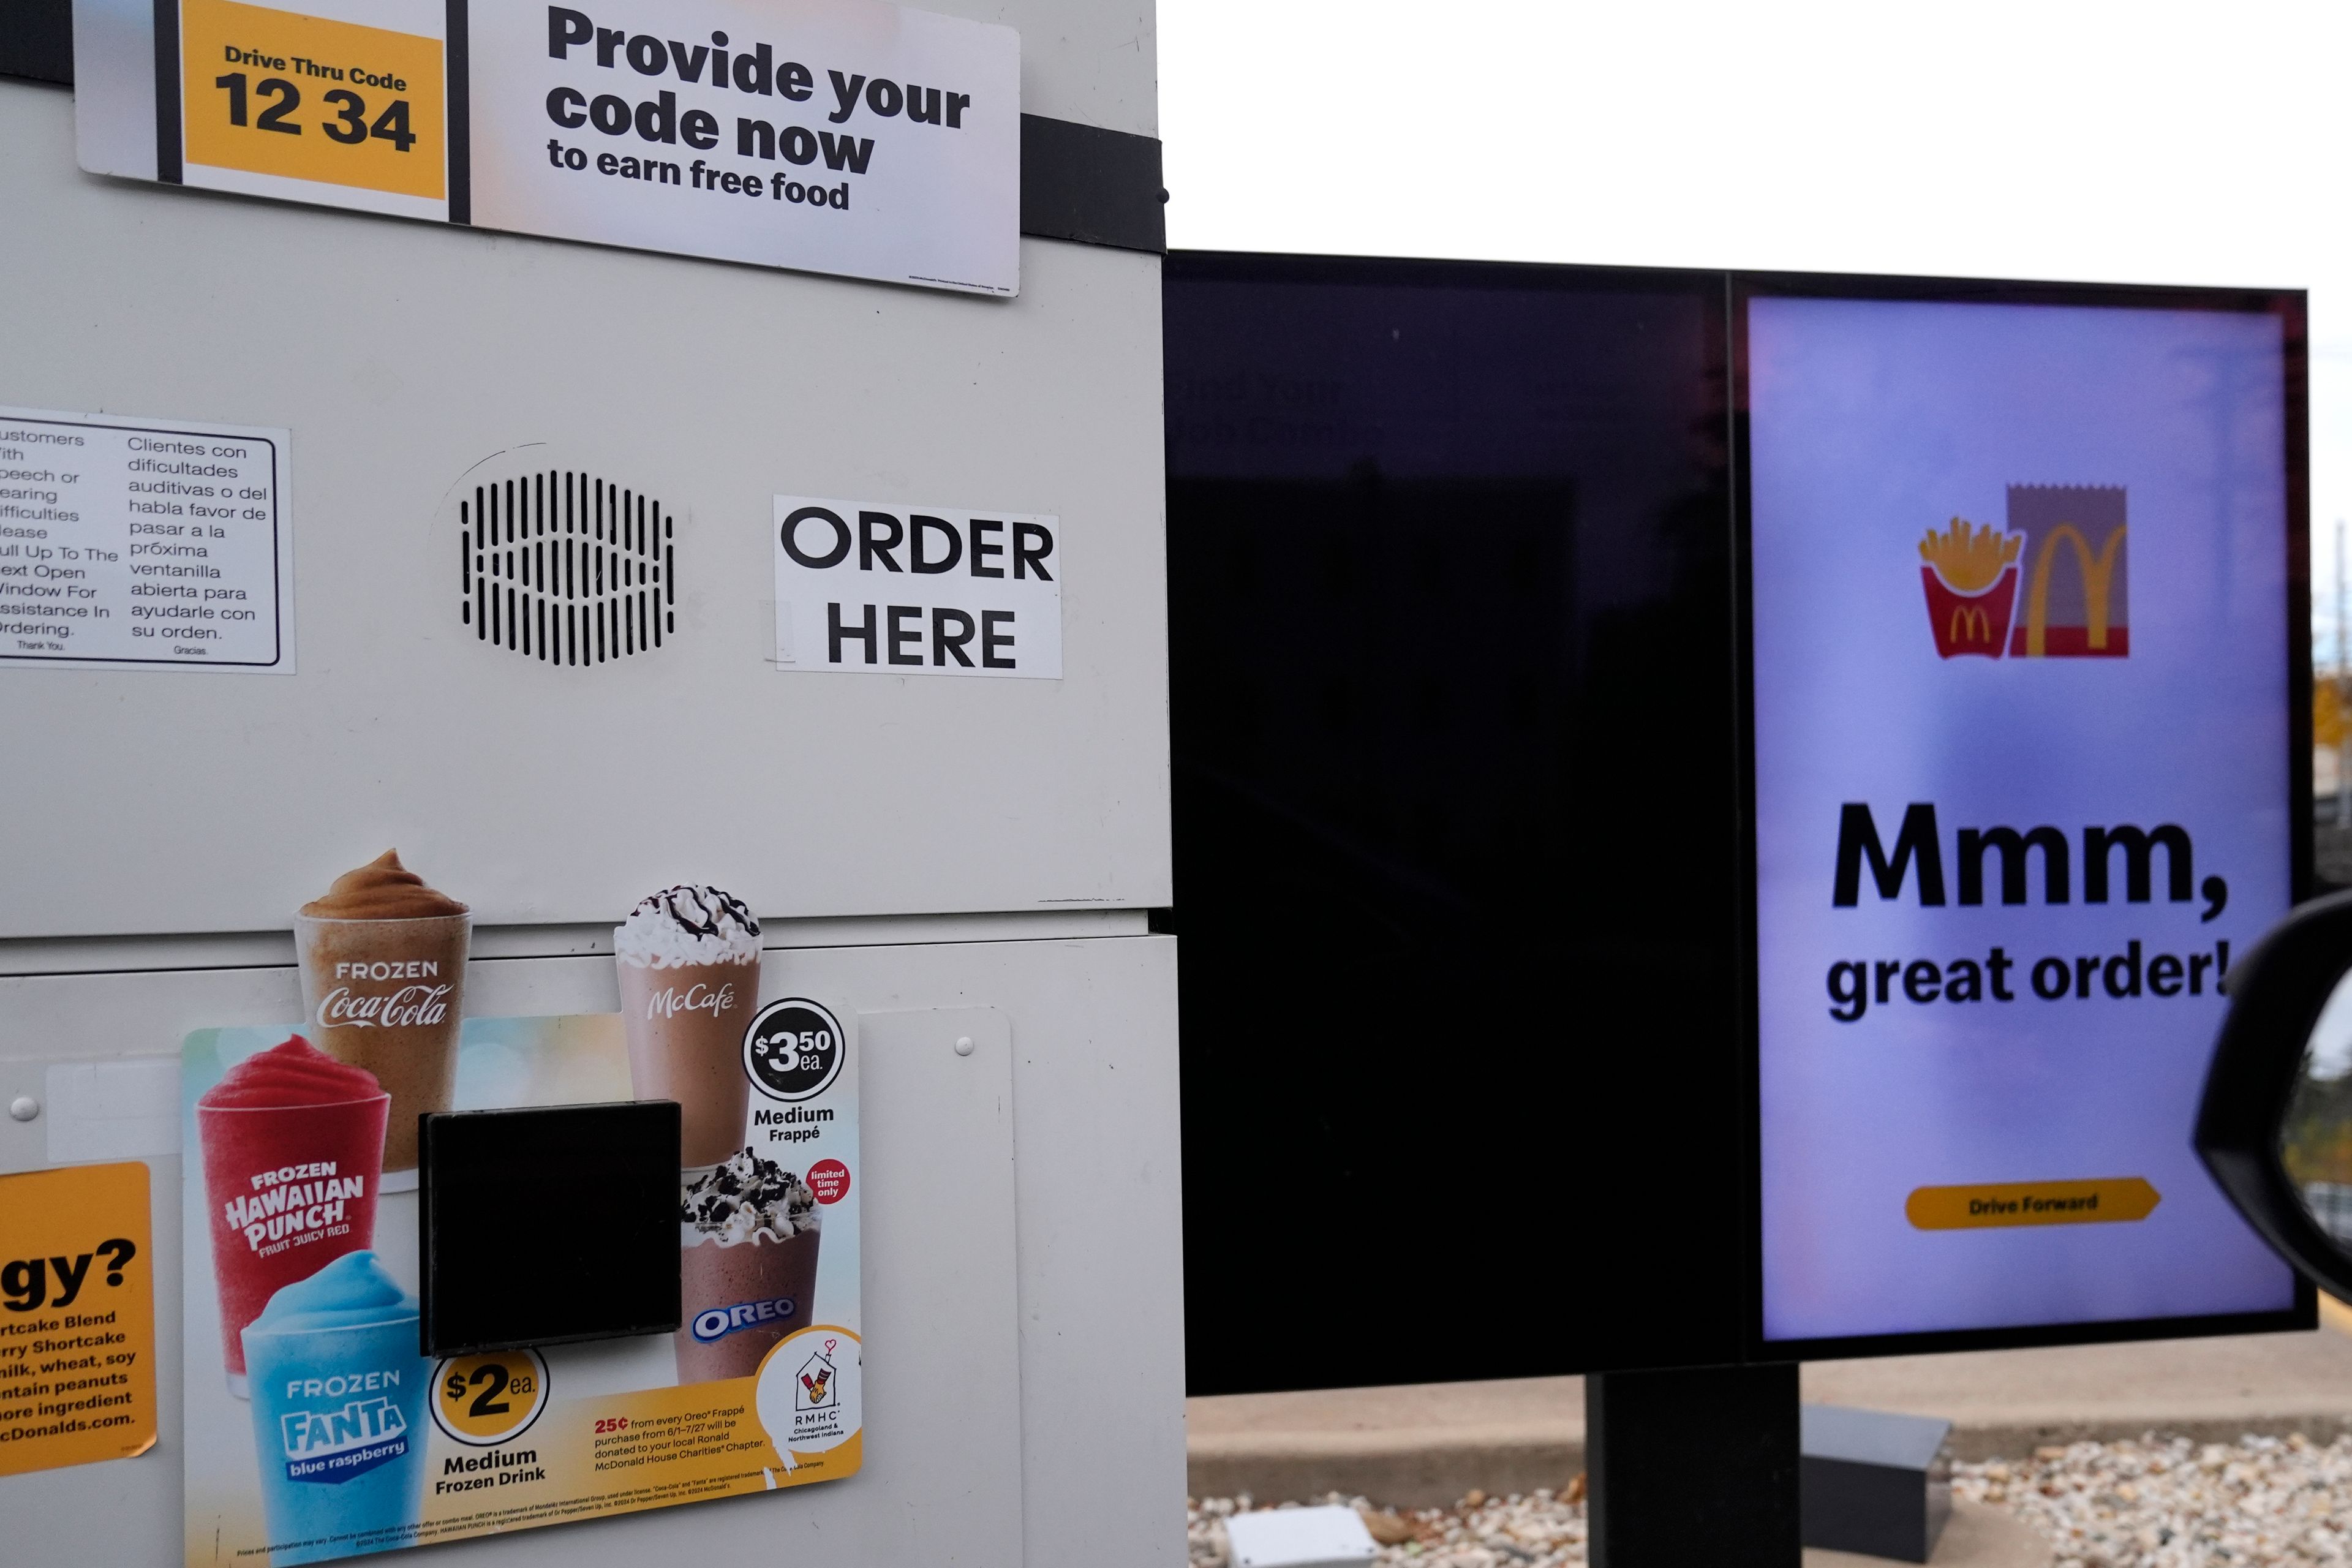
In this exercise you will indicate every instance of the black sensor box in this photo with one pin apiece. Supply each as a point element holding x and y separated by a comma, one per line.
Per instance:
<point>547,1225</point>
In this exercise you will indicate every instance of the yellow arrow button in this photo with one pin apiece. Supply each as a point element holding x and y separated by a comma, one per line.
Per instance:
<point>2108,1200</point>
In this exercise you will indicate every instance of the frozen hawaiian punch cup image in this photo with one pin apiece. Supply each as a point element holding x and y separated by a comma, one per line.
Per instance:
<point>339,1391</point>
<point>293,1153</point>
<point>747,1277</point>
<point>689,964</point>
<point>383,986</point>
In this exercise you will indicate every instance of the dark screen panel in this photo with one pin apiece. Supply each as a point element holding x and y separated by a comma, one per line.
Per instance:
<point>1454,725</point>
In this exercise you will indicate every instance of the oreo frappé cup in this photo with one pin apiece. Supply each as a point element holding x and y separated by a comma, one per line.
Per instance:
<point>293,1154</point>
<point>384,984</point>
<point>689,970</point>
<point>748,1274</point>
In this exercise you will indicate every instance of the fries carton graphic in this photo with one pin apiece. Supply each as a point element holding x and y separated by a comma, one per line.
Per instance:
<point>1971,576</point>
<point>2051,585</point>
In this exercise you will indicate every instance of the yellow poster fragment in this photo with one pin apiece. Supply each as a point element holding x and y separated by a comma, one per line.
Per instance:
<point>77,1317</point>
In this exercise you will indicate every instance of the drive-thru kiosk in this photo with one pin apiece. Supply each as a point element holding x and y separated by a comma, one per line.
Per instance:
<point>592,451</point>
<point>587,642</point>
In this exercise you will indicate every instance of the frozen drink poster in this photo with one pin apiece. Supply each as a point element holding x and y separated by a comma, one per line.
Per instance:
<point>316,1430</point>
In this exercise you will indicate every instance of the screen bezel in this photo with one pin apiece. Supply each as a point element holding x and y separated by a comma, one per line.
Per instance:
<point>2289,307</point>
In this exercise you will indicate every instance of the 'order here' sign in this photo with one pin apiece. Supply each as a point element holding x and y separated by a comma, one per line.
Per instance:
<point>882,588</point>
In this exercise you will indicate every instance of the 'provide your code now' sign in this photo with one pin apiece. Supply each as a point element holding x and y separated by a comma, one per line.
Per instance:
<point>880,589</point>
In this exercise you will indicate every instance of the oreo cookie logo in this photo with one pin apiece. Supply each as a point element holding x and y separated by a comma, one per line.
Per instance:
<point>794,1049</point>
<point>720,1321</point>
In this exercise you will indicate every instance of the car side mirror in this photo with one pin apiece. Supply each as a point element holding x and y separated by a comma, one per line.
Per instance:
<point>2275,1126</point>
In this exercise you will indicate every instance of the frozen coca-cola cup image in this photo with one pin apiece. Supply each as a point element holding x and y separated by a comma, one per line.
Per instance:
<point>748,1274</point>
<point>384,984</point>
<point>689,969</point>
<point>293,1156</point>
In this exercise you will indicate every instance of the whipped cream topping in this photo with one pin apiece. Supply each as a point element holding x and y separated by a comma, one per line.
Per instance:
<point>745,1199</point>
<point>688,924</point>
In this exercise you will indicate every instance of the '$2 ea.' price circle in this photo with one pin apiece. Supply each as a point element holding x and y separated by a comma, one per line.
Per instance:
<point>484,1399</point>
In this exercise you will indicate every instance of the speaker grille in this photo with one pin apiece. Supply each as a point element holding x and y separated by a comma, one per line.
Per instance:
<point>567,568</point>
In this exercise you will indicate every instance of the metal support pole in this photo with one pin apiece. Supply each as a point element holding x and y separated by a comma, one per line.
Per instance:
<point>1693,1469</point>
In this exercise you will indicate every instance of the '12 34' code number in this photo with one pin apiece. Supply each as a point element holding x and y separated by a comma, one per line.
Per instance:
<point>348,122</point>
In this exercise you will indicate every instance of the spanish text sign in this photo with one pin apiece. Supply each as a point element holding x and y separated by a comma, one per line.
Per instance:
<point>77,1317</point>
<point>842,136</point>
<point>156,543</point>
<point>2021,684</point>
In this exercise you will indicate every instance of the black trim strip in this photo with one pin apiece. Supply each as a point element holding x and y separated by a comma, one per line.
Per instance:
<point>457,109</point>
<point>1092,186</point>
<point>456,112</point>
<point>37,41</point>
<point>167,91</point>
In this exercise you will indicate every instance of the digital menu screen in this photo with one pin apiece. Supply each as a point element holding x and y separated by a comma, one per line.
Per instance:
<point>2025,647</point>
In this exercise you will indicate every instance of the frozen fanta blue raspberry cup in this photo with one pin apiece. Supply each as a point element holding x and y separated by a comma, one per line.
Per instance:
<point>338,1413</point>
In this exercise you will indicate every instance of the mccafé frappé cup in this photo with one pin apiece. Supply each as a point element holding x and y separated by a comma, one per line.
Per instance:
<point>293,1156</point>
<point>689,964</point>
<point>383,984</point>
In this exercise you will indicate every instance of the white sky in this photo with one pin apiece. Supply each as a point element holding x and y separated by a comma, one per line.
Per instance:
<point>2150,143</point>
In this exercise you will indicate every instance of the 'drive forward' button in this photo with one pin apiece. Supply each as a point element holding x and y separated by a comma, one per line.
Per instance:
<point>2106,1200</point>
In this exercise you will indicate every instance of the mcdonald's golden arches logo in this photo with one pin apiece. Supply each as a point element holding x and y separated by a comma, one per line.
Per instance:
<point>2062,554</point>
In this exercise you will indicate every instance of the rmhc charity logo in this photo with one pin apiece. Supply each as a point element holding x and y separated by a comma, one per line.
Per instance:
<point>2075,600</point>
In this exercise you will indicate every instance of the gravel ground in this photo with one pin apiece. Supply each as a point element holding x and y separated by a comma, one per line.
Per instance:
<point>2156,1503</point>
<point>1534,1532</point>
<point>2163,1503</point>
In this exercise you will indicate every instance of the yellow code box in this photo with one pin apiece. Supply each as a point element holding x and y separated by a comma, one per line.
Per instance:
<point>278,92</point>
